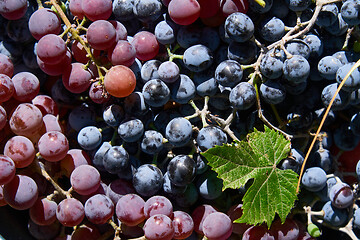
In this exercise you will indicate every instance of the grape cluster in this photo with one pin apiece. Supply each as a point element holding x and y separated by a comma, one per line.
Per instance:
<point>107,105</point>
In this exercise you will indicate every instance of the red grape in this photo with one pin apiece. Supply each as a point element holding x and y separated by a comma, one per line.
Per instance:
<point>97,9</point>
<point>158,205</point>
<point>99,209</point>
<point>97,93</point>
<point>52,123</point>
<point>76,78</point>
<point>199,214</point>
<point>53,146</point>
<point>43,212</point>
<point>6,65</point>
<point>73,159</point>
<point>7,169</point>
<point>6,87</point>
<point>146,45</point>
<point>70,212</point>
<point>85,179</point>
<point>75,7</point>
<point>44,21</point>
<point>184,12</point>
<point>21,150</point>
<point>14,9</point>
<point>121,32</point>
<point>51,49</point>
<point>2,200</point>
<point>120,81</point>
<point>86,231</point>
<point>101,35</point>
<point>208,8</point>
<point>118,188</point>
<point>55,69</point>
<point>123,53</point>
<point>231,6</point>
<point>159,227</point>
<point>217,226</point>
<point>3,117</point>
<point>183,225</point>
<point>26,120</point>
<point>258,232</point>
<point>46,104</point>
<point>130,209</point>
<point>26,86</point>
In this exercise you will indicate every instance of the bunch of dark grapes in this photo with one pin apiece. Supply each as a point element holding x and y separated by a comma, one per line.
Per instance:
<point>107,105</point>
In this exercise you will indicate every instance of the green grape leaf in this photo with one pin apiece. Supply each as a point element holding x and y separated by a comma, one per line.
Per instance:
<point>273,190</point>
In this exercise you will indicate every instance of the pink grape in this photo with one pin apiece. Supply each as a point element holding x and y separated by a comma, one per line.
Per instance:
<point>99,209</point>
<point>26,120</point>
<point>53,146</point>
<point>7,169</point>
<point>158,205</point>
<point>3,117</point>
<point>217,226</point>
<point>231,6</point>
<point>13,10</point>
<point>184,12</point>
<point>43,212</point>
<point>130,209</point>
<point>123,53</point>
<point>183,225</point>
<point>70,212</point>
<point>46,104</point>
<point>21,150</point>
<point>159,227</point>
<point>26,86</point>
<point>146,45</point>
<point>97,9</point>
<point>52,123</point>
<point>51,49</point>
<point>6,87</point>
<point>44,21</point>
<point>85,179</point>
<point>98,94</point>
<point>101,35</point>
<point>55,69</point>
<point>76,78</point>
<point>75,7</point>
<point>121,32</point>
<point>199,215</point>
<point>73,159</point>
<point>6,65</point>
<point>21,192</point>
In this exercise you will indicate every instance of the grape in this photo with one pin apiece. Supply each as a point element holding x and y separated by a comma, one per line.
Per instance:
<point>170,188</point>
<point>168,72</point>
<point>334,216</point>
<point>209,185</point>
<point>156,93</point>
<point>123,9</point>
<point>298,5</point>
<point>165,32</point>
<point>272,92</point>
<point>21,192</point>
<point>272,29</point>
<point>97,93</point>
<point>181,170</point>
<point>158,205</point>
<point>44,21</point>
<point>341,100</point>
<point>116,160</point>
<point>159,227</point>
<point>113,115</point>
<point>101,34</point>
<point>188,36</point>
<point>76,9</point>
<point>258,232</point>
<point>356,222</point>
<point>349,12</point>
<point>2,200</point>
<point>183,90</point>
<point>99,209</point>
<point>344,56</point>
<point>210,136</point>
<point>231,6</point>
<point>52,123</point>
<point>85,179</point>
<point>3,117</point>
<point>315,44</point>
<point>73,159</point>
<point>131,130</point>
<point>81,116</point>
<point>328,66</point>
<point>118,188</point>
<point>130,209</point>
<point>43,212</point>
<point>53,146</point>
<point>288,230</point>
<point>328,15</point>
<point>205,83</point>
<point>147,180</point>
<point>228,73</point>
<point>55,69</point>
<point>89,138</point>
<point>239,27</point>
<point>7,169</point>
<point>46,104</point>
<point>18,30</point>
<point>146,45</point>
<point>353,81</point>
<point>44,232</point>
<point>184,12</point>
<point>26,86</point>
<point>314,179</point>
<point>344,138</point>
<point>6,67</point>
<point>6,87</point>
<point>120,81</point>
<point>217,226</point>
<point>70,212</point>
<point>242,96</point>
<point>197,58</point>
<point>339,27</point>
<point>86,231</point>
<point>150,70</point>
<point>341,195</point>
<point>188,197</point>
<point>178,131</point>
<point>243,53</point>
<point>26,120</point>
<point>147,10</point>
<point>51,49</point>
<point>296,69</point>
<point>13,10</point>
<point>199,214</point>
<point>21,150</point>
<point>122,54</point>
<point>97,9</point>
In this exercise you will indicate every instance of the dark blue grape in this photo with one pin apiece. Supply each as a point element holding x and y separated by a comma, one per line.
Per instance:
<point>165,32</point>
<point>339,27</point>
<point>298,47</point>
<point>242,96</point>
<point>228,73</point>
<point>181,170</point>
<point>355,124</point>
<point>334,216</point>
<point>344,138</point>
<point>150,70</point>
<point>353,81</point>
<point>323,159</point>
<point>99,155</point>
<point>169,72</point>
<point>152,142</point>
<point>356,222</point>
<point>123,9</point>
<point>210,136</point>
<point>82,116</point>
<point>272,29</point>
<point>131,130</point>
<point>328,15</point>
<point>298,5</point>
<point>134,104</point>
<point>187,198</point>
<point>271,66</point>
<point>342,99</point>
<point>314,179</point>
<point>188,36</point>
<point>147,180</point>
<point>239,27</point>
<point>344,56</point>
<point>290,163</point>
<point>89,138</point>
<point>341,195</point>
<point>209,185</point>
<point>279,9</point>
<point>316,45</point>
<point>243,53</point>
<point>113,115</point>
<point>156,93</point>
<point>178,131</point>
<point>197,58</point>
<point>328,67</point>
<point>296,69</point>
<point>205,83</point>
<point>116,160</point>
<point>350,12</point>
<point>170,188</point>
<point>295,88</point>
<point>183,90</point>
<point>147,10</point>
<point>272,92</point>
<point>210,38</point>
